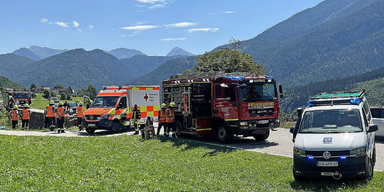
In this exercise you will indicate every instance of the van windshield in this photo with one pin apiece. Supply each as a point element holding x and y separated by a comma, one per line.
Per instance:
<point>104,102</point>
<point>331,121</point>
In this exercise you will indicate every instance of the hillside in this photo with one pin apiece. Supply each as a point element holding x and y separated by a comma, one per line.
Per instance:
<point>335,38</point>
<point>164,71</point>
<point>123,53</point>
<point>372,82</point>
<point>140,65</point>
<point>6,83</point>
<point>12,66</point>
<point>177,51</point>
<point>24,52</point>
<point>44,52</point>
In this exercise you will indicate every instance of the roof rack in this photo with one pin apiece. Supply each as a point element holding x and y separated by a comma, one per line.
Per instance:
<point>339,94</point>
<point>337,98</point>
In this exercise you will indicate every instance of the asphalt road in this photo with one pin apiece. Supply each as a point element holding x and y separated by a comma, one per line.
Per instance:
<point>279,142</point>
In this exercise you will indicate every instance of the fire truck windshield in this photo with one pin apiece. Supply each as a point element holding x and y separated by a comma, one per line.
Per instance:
<point>104,102</point>
<point>257,92</point>
<point>21,95</point>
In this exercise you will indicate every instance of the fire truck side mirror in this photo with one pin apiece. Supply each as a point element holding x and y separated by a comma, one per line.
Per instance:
<point>281,91</point>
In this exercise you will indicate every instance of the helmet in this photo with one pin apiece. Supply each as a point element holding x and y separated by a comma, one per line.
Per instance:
<point>80,103</point>
<point>26,105</point>
<point>172,104</point>
<point>51,102</point>
<point>61,103</point>
<point>163,105</point>
<point>15,107</point>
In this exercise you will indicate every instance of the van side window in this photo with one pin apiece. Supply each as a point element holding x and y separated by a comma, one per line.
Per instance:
<point>365,119</point>
<point>366,108</point>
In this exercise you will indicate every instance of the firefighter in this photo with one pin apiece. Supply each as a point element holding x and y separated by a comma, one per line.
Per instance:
<point>15,116</point>
<point>25,116</point>
<point>79,113</point>
<point>50,111</point>
<point>162,118</point>
<point>60,111</point>
<point>170,119</point>
<point>136,114</point>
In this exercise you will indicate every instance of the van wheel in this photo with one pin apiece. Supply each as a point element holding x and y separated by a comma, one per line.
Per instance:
<point>262,137</point>
<point>89,130</point>
<point>114,128</point>
<point>224,134</point>
<point>370,170</point>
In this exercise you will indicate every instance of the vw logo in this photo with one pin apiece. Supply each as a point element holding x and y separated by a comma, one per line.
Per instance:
<point>327,155</point>
<point>91,117</point>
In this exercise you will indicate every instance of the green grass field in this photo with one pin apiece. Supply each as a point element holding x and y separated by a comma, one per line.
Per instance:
<point>126,163</point>
<point>41,103</point>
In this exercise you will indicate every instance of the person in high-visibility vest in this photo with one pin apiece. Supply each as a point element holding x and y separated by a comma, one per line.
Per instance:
<point>50,111</point>
<point>25,116</point>
<point>60,111</point>
<point>162,118</point>
<point>15,116</point>
<point>136,114</point>
<point>79,112</point>
<point>170,119</point>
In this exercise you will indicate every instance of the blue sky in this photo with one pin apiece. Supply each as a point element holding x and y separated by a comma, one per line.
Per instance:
<point>151,26</point>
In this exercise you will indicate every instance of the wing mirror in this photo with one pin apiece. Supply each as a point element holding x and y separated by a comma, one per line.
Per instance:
<point>373,128</point>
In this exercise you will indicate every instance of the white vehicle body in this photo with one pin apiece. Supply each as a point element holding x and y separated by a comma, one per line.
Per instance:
<point>335,140</point>
<point>378,119</point>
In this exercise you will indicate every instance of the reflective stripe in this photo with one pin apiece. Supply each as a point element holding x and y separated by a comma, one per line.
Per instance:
<point>231,119</point>
<point>162,116</point>
<point>145,88</point>
<point>170,116</point>
<point>60,111</point>
<point>50,112</point>
<point>79,111</point>
<point>15,116</point>
<point>26,114</point>
<point>204,129</point>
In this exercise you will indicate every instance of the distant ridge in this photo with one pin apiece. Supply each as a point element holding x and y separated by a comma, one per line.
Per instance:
<point>177,51</point>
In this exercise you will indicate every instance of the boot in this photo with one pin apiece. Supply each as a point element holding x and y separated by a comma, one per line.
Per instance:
<point>136,133</point>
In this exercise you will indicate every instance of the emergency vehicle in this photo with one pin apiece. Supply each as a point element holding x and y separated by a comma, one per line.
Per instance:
<point>224,104</point>
<point>334,137</point>
<point>112,108</point>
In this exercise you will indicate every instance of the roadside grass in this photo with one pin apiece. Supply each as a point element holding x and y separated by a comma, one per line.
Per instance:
<point>126,163</point>
<point>287,124</point>
<point>41,103</point>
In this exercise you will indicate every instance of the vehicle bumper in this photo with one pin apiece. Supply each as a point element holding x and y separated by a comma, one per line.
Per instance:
<point>254,125</point>
<point>350,167</point>
<point>102,124</point>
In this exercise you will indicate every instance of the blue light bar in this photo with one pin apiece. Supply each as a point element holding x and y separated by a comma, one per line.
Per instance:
<point>269,77</point>
<point>104,88</point>
<point>355,101</point>
<point>311,103</point>
<point>343,157</point>
<point>120,87</point>
<point>236,78</point>
<point>310,157</point>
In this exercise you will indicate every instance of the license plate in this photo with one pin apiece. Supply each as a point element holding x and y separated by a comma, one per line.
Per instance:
<point>91,125</point>
<point>263,122</point>
<point>327,164</point>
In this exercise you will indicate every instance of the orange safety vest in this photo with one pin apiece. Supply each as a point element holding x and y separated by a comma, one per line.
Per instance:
<point>170,116</point>
<point>79,111</point>
<point>60,111</point>
<point>26,114</point>
<point>15,116</point>
<point>50,112</point>
<point>162,116</point>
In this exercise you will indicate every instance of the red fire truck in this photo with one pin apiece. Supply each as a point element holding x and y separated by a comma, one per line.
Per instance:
<point>224,104</point>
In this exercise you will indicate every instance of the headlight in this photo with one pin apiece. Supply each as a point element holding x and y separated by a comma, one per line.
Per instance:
<point>361,151</point>
<point>244,123</point>
<point>298,152</point>
<point>105,116</point>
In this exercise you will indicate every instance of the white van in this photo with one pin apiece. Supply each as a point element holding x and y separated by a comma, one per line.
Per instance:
<point>334,137</point>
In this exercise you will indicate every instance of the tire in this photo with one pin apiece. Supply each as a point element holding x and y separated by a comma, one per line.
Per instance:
<point>89,130</point>
<point>114,128</point>
<point>262,137</point>
<point>224,134</point>
<point>178,128</point>
<point>370,170</point>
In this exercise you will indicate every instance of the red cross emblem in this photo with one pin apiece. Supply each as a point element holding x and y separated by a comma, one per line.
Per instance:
<point>146,97</point>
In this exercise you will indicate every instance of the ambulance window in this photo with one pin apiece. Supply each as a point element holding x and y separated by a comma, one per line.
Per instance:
<point>123,103</point>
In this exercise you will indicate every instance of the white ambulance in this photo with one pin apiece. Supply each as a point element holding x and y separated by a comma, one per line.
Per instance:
<point>334,137</point>
<point>112,108</point>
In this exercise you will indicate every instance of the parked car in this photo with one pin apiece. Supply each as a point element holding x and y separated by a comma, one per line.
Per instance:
<point>378,118</point>
<point>72,107</point>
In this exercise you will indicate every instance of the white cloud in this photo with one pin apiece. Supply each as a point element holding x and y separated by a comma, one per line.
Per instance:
<point>44,20</point>
<point>79,30</point>
<point>151,1</point>
<point>61,24</point>
<point>155,3</point>
<point>228,12</point>
<point>75,24</point>
<point>173,39</point>
<point>181,24</point>
<point>140,27</point>
<point>140,5</point>
<point>203,29</point>
<point>91,27</point>
<point>157,6</point>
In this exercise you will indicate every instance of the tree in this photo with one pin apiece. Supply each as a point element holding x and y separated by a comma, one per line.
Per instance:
<point>58,86</point>
<point>46,93</point>
<point>33,85</point>
<point>70,91</point>
<point>63,96</point>
<point>228,60</point>
<point>90,91</point>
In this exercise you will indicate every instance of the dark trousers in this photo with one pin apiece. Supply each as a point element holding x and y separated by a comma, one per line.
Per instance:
<point>14,124</point>
<point>25,123</point>
<point>60,122</point>
<point>51,121</point>
<point>159,128</point>
<point>170,127</point>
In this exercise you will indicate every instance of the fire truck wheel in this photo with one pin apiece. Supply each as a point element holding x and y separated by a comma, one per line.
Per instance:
<point>89,130</point>
<point>224,134</point>
<point>114,128</point>
<point>178,128</point>
<point>262,137</point>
